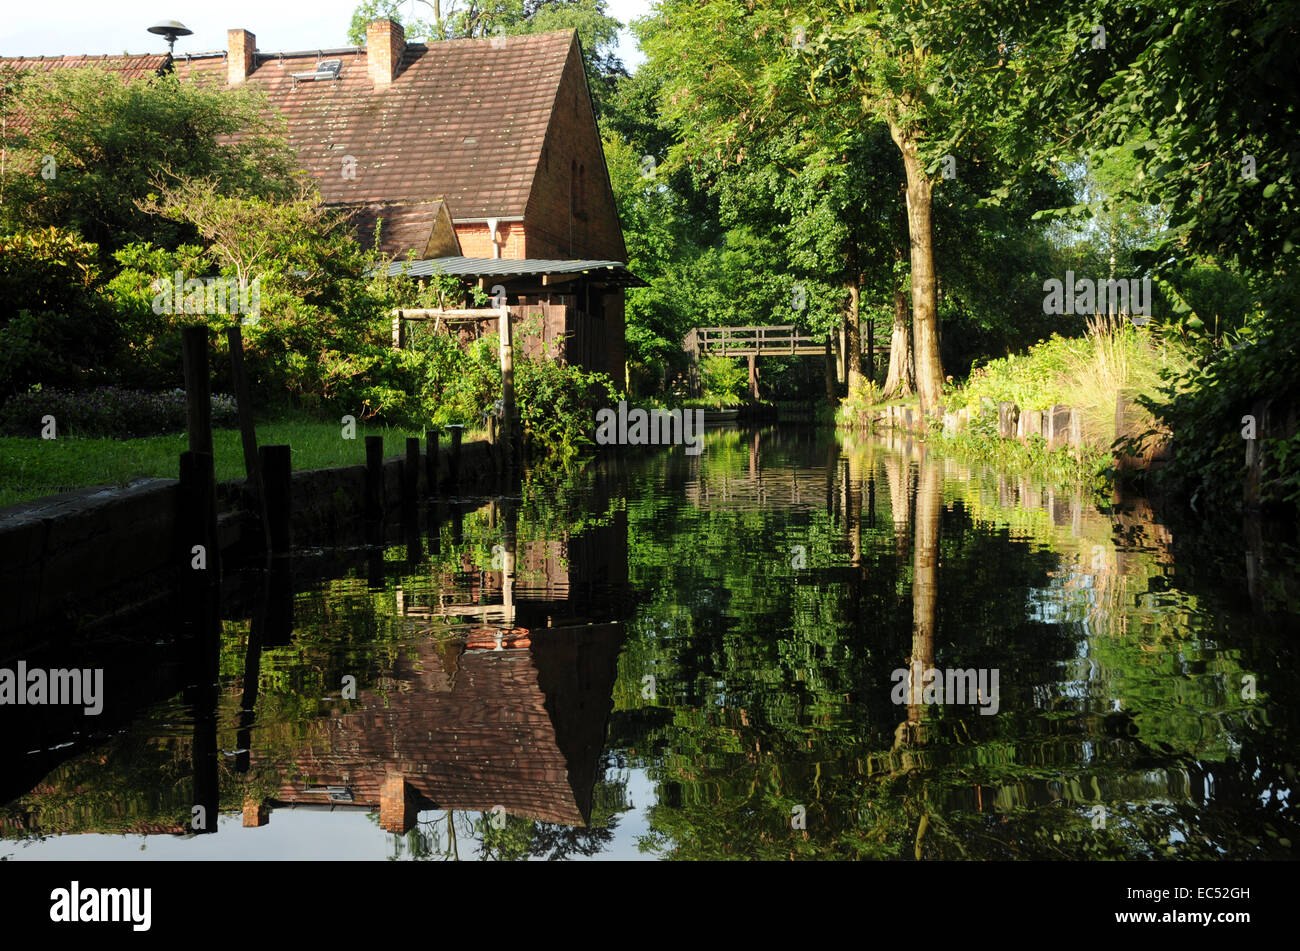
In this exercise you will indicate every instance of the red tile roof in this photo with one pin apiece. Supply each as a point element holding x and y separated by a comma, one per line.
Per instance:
<point>130,65</point>
<point>462,120</point>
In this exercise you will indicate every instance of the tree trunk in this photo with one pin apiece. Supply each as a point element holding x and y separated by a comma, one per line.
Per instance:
<point>929,366</point>
<point>853,337</point>
<point>869,370</point>
<point>925,584</point>
<point>899,379</point>
<point>831,396</point>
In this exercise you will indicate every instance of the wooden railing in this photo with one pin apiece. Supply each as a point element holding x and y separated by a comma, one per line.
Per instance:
<point>746,341</point>
<point>781,340</point>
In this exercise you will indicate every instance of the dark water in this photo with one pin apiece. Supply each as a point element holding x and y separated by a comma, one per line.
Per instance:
<point>700,660</point>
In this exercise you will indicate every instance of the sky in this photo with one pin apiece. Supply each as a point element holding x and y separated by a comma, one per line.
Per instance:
<point>94,27</point>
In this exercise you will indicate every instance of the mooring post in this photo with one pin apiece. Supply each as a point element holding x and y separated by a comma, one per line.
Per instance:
<point>507,431</point>
<point>410,478</point>
<point>431,460</point>
<point>201,594</point>
<point>374,476</point>
<point>277,479</point>
<point>453,461</point>
<point>198,392</point>
<point>201,553</point>
<point>247,431</point>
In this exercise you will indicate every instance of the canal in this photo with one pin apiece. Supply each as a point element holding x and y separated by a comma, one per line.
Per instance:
<point>793,645</point>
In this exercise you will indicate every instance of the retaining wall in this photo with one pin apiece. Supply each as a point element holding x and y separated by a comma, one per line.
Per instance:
<point>77,554</point>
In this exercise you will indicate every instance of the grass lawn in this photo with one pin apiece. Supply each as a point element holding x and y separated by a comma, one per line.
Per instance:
<point>32,468</point>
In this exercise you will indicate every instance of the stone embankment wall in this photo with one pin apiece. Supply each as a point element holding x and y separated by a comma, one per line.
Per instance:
<point>71,555</point>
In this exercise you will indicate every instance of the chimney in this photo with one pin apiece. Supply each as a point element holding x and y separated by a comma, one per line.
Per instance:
<point>385,44</point>
<point>239,63</point>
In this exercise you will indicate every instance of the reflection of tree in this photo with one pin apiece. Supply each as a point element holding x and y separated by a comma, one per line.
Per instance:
<point>925,589</point>
<point>773,683</point>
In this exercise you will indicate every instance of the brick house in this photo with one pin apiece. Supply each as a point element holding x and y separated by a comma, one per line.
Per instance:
<point>475,157</point>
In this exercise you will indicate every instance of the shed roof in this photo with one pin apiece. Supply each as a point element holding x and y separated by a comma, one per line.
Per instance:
<point>614,272</point>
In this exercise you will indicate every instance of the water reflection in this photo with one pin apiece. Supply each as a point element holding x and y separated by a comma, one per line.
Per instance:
<point>673,655</point>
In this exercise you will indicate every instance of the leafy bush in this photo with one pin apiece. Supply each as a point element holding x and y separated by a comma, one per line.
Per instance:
<point>1203,408</point>
<point>863,396</point>
<point>105,411</point>
<point>54,328</point>
<point>1087,373</point>
<point>724,380</point>
<point>557,406</point>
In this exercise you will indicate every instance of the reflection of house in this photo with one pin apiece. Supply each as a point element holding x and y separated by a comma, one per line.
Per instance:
<point>578,579</point>
<point>481,156</point>
<point>467,730</point>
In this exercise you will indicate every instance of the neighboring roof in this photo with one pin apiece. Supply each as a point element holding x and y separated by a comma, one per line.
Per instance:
<point>414,225</point>
<point>464,120</point>
<point>131,65</point>
<point>610,271</point>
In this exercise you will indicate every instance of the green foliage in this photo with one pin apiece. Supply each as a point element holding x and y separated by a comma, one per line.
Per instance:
<point>724,380</point>
<point>557,404</point>
<point>1203,409</point>
<point>863,397</point>
<point>105,411</point>
<point>151,341</point>
<point>54,328</point>
<point>1087,373</point>
<point>108,138</point>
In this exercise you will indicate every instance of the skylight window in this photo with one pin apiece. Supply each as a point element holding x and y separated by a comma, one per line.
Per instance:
<point>325,69</point>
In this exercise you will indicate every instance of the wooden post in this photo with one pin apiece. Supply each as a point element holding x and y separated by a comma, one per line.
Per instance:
<point>1057,429</point>
<point>247,430</point>
<point>374,476</point>
<point>871,345</point>
<point>277,477</point>
<point>453,461</point>
<point>507,391</point>
<point>198,393</point>
<point>1008,415</point>
<point>830,374</point>
<point>411,478</point>
<point>198,522</point>
<point>431,460</point>
<point>753,377</point>
<point>1250,491</point>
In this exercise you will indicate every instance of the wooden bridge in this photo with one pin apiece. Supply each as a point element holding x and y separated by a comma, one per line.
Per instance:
<point>752,342</point>
<point>784,340</point>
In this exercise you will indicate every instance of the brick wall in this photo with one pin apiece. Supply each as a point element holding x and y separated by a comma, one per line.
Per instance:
<point>476,239</point>
<point>572,139</point>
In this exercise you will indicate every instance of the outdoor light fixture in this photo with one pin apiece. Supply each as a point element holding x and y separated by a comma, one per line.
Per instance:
<point>171,29</point>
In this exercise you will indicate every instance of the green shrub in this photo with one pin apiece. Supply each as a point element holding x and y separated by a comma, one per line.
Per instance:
<point>725,382</point>
<point>105,411</point>
<point>55,329</point>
